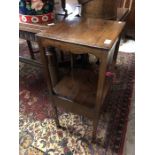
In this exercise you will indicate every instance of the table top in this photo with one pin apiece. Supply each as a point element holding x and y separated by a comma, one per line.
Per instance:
<point>90,32</point>
<point>36,28</point>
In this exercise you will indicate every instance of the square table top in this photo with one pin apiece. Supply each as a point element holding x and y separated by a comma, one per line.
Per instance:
<point>97,33</point>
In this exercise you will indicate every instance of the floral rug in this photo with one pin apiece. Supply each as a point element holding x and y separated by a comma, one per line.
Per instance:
<point>38,134</point>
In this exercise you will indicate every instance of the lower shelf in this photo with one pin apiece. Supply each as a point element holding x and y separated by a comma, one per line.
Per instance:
<point>80,87</point>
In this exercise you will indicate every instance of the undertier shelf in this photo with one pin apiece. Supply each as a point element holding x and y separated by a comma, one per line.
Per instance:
<point>80,86</point>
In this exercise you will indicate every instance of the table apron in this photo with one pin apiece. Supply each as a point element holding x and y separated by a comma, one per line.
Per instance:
<point>72,47</point>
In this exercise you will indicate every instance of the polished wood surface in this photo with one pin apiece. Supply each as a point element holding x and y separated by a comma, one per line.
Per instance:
<point>80,90</point>
<point>85,31</point>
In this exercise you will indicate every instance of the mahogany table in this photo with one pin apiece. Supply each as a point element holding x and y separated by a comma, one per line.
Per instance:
<point>80,36</point>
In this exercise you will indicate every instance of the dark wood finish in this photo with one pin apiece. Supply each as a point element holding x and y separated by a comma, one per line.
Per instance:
<point>77,37</point>
<point>80,88</point>
<point>122,14</point>
<point>52,64</point>
<point>81,91</point>
<point>79,41</point>
<point>127,3</point>
<point>80,31</point>
<point>106,9</point>
<point>130,26</point>
<point>30,49</point>
<point>131,21</point>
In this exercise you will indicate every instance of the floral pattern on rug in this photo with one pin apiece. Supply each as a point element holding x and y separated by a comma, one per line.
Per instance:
<point>75,139</point>
<point>38,131</point>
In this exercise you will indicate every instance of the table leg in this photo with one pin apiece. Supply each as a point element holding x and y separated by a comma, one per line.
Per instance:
<point>63,5</point>
<point>53,65</point>
<point>62,56</point>
<point>30,49</point>
<point>95,124</point>
<point>100,91</point>
<point>116,52</point>
<point>44,60</point>
<point>55,110</point>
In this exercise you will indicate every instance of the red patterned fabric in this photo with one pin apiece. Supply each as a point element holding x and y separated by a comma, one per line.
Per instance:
<point>37,18</point>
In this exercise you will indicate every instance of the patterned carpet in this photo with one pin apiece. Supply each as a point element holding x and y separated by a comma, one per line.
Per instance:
<point>37,129</point>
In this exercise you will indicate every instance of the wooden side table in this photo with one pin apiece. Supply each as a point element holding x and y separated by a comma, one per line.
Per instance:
<point>80,36</point>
